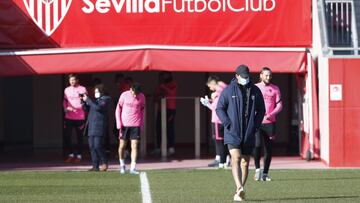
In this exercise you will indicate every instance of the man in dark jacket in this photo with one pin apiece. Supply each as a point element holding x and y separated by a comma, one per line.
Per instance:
<point>241,110</point>
<point>97,126</point>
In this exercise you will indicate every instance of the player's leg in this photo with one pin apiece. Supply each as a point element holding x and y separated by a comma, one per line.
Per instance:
<point>135,140</point>
<point>245,159</point>
<point>236,171</point>
<point>69,149</point>
<point>257,154</point>
<point>267,151</point>
<point>216,161</point>
<point>80,125</point>
<point>121,150</point>
<point>134,155</point>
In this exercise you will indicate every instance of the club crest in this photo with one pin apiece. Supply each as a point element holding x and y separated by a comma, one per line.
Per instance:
<point>47,14</point>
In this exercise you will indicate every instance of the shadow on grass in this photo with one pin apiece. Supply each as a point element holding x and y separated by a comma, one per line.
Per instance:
<point>304,198</point>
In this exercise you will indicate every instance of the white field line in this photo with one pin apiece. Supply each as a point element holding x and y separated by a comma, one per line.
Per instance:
<point>145,188</point>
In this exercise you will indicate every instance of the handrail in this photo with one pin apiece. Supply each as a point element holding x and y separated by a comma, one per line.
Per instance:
<point>197,139</point>
<point>337,24</point>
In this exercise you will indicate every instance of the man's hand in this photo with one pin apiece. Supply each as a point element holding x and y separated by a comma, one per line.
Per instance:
<point>120,133</point>
<point>204,101</point>
<point>70,109</point>
<point>85,97</point>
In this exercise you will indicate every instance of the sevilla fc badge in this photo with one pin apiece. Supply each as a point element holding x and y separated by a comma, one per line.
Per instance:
<point>47,14</point>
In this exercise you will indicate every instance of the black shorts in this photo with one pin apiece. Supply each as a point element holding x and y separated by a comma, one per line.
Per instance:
<point>132,133</point>
<point>265,132</point>
<point>243,150</point>
<point>217,130</point>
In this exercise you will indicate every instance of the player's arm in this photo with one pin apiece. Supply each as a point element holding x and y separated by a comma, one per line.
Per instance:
<point>221,109</point>
<point>278,104</point>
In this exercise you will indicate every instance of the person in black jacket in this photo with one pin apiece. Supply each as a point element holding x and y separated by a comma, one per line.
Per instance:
<point>97,125</point>
<point>241,110</point>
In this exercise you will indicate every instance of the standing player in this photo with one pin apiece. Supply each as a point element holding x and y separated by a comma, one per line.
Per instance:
<point>216,86</point>
<point>266,133</point>
<point>241,109</point>
<point>129,120</point>
<point>74,118</point>
<point>167,89</point>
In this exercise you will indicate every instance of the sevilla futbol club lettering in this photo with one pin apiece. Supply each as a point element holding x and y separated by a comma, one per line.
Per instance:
<point>178,6</point>
<point>48,14</point>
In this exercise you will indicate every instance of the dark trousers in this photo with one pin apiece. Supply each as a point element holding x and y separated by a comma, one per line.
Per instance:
<point>263,141</point>
<point>69,125</point>
<point>97,151</point>
<point>170,128</point>
<point>222,150</point>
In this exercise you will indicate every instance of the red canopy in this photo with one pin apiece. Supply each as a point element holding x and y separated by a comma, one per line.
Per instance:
<point>151,59</point>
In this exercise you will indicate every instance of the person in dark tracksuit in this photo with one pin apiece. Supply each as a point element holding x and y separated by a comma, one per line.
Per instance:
<point>97,126</point>
<point>241,109</point>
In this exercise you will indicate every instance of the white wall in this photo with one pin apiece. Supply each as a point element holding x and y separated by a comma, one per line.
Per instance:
<point>323,67</point>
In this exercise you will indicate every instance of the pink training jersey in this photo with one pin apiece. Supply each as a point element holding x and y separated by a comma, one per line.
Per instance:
<point>130,110</point>
<point>272,99</point>
<point>72,99</point>
<point>215,99</point>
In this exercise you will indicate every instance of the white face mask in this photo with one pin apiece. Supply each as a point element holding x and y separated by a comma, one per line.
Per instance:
<point>243,81</point>
<point>97,95</point>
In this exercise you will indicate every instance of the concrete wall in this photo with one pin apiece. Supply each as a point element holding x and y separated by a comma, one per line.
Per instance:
<point>344,115</point>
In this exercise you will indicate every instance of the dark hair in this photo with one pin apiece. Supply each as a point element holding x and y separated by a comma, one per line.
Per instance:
<point>168,77</point>
<point>101,89</point>
<point>119,76</point>
<point>129,80</point>
<point>72,75</point>
<point>212,78</point>
<point>97,81</point>
<point>136,87</point>
<point>265,69</point>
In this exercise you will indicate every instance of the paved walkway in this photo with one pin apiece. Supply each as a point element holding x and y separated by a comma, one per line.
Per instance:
<point>277,163</point>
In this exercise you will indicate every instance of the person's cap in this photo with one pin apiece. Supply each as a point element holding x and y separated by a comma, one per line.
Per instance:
<point>243,71</point>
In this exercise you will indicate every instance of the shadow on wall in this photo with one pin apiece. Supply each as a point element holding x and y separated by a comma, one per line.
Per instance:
<point>18,32</point>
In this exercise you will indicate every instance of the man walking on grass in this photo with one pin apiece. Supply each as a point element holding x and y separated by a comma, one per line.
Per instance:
<point>241,109</point>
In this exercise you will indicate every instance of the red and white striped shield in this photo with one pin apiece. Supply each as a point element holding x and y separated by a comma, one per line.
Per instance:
<point>47,14</point>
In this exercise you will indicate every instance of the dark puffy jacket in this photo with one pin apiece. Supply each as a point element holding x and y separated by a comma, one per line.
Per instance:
<point>230,111</point>
<point>98,120</point>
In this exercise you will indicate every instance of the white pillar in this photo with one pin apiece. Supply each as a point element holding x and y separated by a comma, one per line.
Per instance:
<point>143,140</point>
<point>197,128</point>
<point>163,129</point>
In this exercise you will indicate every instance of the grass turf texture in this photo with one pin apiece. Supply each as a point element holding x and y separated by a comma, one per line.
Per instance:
<point>179,186</point>
<point>56,187</point>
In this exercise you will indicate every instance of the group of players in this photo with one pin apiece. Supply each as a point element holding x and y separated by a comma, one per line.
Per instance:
<point>243,121</point>
<point>88,115</point>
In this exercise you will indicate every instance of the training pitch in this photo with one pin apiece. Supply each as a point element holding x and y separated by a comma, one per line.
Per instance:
<point>179,186</point>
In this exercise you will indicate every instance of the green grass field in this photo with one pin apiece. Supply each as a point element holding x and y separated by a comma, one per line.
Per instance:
<point>179,186</point>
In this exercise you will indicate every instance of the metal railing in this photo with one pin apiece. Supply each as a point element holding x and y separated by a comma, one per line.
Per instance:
<point>164,127</point>
<point>338,22</point>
